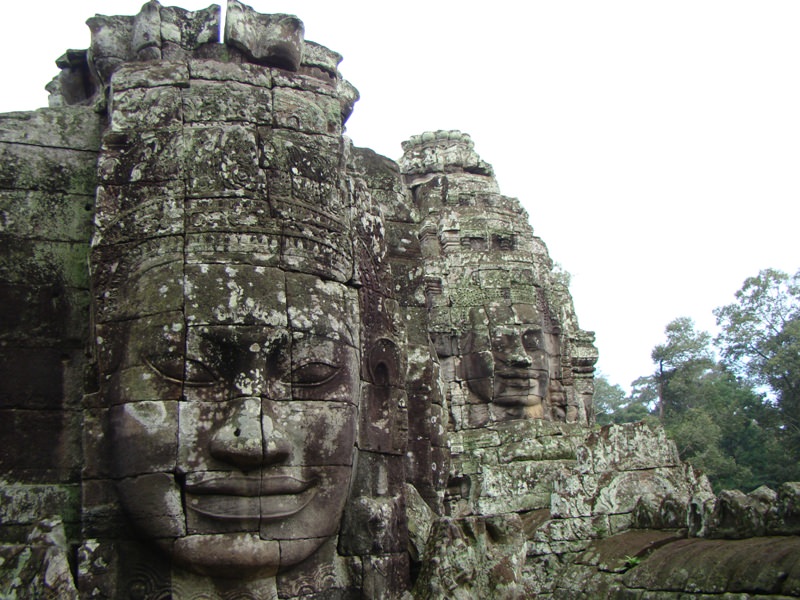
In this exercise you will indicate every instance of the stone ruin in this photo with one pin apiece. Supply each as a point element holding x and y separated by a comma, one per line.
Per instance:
<point>243,358</point>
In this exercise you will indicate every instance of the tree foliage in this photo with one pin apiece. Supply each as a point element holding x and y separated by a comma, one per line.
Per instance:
<point>613,406</point>
<point>753,326</point>
<point>686,355</point>
<point>684,345</point>
<point>736,418</point>
<point>760,339</point>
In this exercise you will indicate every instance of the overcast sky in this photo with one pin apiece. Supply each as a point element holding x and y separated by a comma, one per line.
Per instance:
<point>655,145</point>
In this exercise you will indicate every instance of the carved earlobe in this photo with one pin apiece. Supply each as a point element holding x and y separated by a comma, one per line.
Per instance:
<point>384,364</point>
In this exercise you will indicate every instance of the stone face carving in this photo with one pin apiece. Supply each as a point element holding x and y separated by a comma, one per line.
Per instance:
<point>246,359</point>
<point>507,343</point>
<point>232,425</point>
<point>506,361</point>
<point>239,327</point>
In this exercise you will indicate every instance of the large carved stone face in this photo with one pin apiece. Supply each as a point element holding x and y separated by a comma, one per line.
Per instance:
<point>506,360</point>
<point>233,416</point>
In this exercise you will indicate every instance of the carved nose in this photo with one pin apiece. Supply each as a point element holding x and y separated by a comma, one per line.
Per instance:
<point>277,447</point>
<point>238,441</point>
<point>245,441</point>
<point>520,359</point>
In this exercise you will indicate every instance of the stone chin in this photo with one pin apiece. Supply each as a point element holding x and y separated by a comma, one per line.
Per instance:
<point>523,391</point>
<point>528,389</point>
<point>240,555</point>
<point>227,555</point>
<point>152,503</point>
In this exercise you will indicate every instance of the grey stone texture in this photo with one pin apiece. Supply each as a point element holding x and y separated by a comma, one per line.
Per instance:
<point>243,358</point>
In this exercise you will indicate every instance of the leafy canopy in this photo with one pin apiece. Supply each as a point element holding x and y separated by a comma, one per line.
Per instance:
<point>736,418</point>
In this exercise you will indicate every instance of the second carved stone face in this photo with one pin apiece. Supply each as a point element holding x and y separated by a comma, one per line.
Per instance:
<point>507,362</point>
<point>233,416</point>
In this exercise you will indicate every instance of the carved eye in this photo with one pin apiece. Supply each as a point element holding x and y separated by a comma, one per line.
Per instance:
<point>314,373</point>
<point>530,341</point>
<point>198,375</point>
<point>189,372</point>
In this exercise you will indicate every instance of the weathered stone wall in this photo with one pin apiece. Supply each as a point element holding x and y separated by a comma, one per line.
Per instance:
<point>427,456</point>
<point>550,510</point>
<point>552,490</point>
<point>47,195</point>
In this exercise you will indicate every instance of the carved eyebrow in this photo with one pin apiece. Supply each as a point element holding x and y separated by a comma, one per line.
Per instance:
<point>334,326</point>
<point>241,336</point>
<point>506,330</point>
<point>184,371</point>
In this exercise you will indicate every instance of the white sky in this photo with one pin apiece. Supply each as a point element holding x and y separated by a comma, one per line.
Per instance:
<point>654,144</point>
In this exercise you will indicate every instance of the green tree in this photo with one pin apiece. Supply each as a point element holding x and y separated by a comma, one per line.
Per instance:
<point>608,398</point>
<point>760,339</point>
<point>685,355</point>
<point>684,344</point>
<point>720,424</point>
<point>698,438</point>
<point>736,418</point>
<point>613,406</point>
<point>645,391</point>
<point>737,426</point>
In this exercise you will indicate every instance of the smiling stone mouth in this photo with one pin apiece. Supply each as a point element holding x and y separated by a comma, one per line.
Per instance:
<point>518,373</point>
<point>243,498</point>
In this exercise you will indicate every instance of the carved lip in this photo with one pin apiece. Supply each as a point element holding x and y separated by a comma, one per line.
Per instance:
<point>518,389</point>
<point>512,400</point>
<point>528,369</point>
<point>247,498</point>
<point>518,375</point>
<point>250,486</point>
<point>509,382</point>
